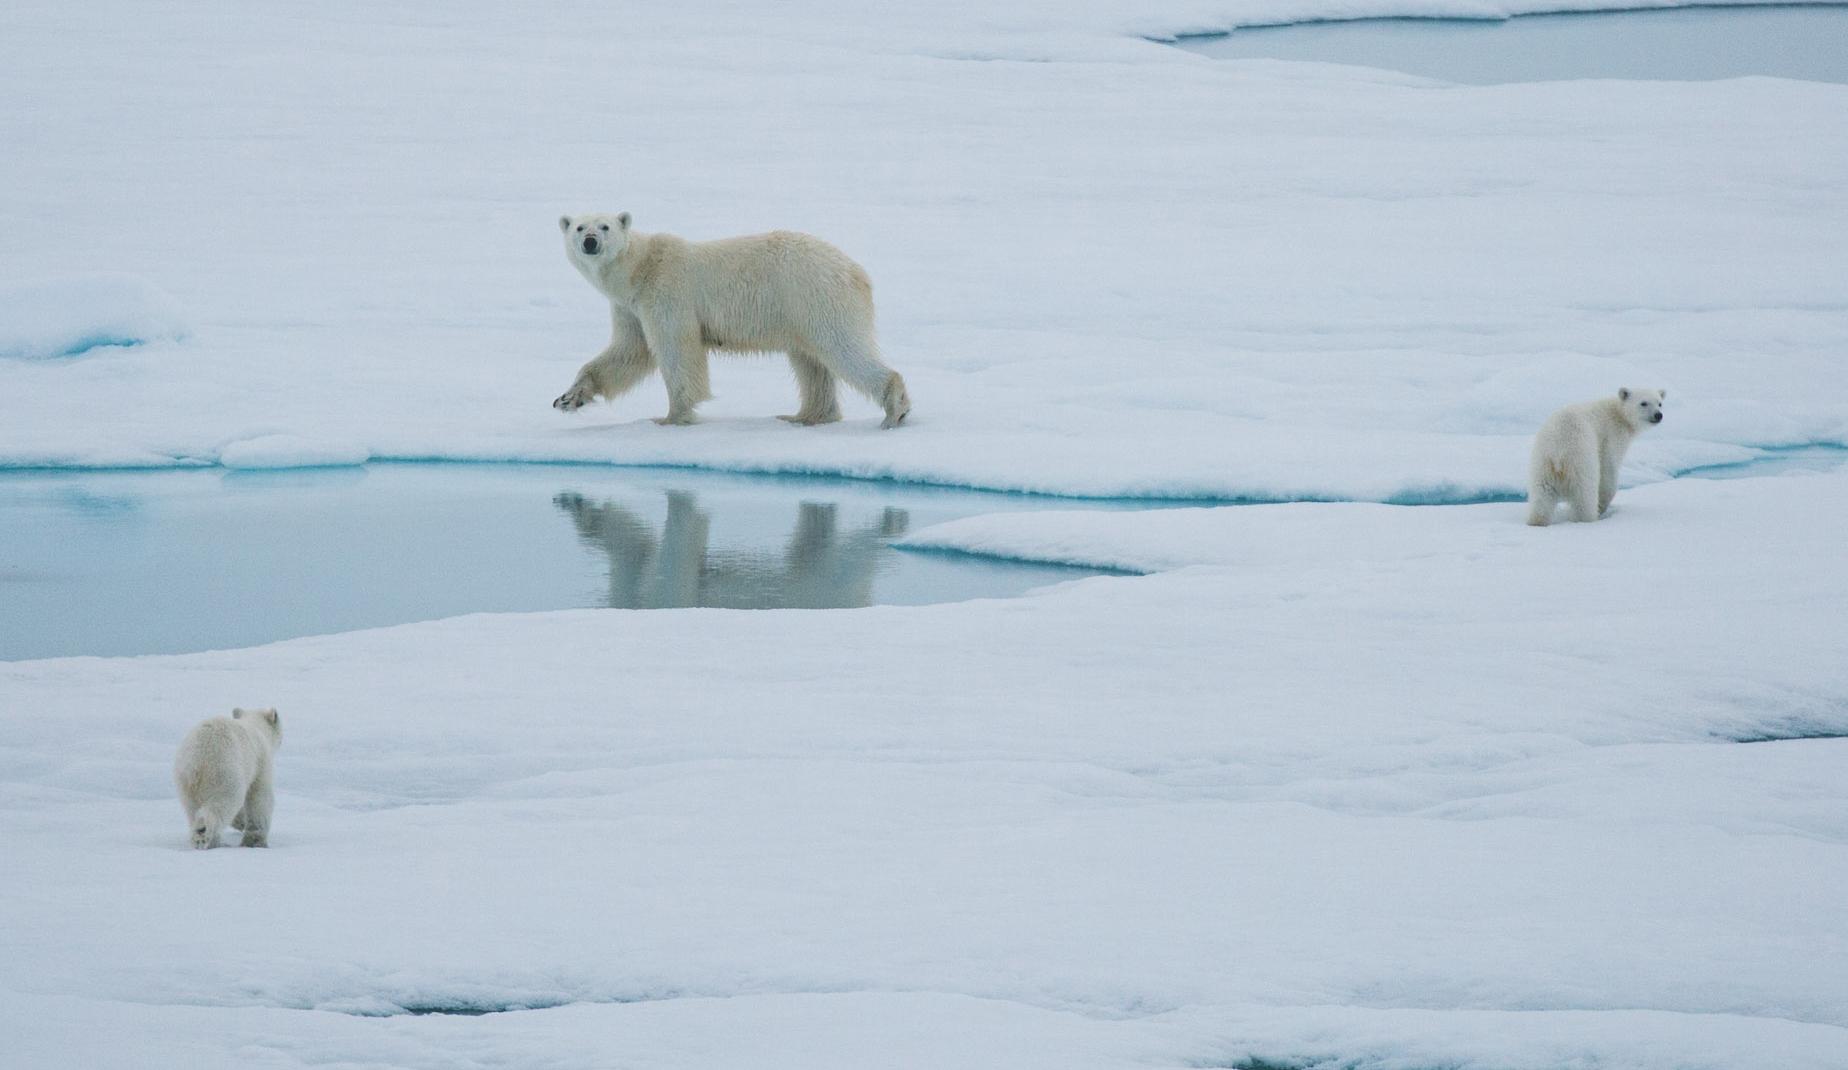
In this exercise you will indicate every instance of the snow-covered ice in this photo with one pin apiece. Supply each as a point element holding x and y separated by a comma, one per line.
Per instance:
<point>1466,795</point>
<point>289,451</point>
<point>1337,783</point>
<point>70,316</point>
<point>1105,265</point>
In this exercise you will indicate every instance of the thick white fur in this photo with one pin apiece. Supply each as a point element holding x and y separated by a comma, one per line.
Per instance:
<point>225,775</point>
<point>1579,450</point>
<point>672,301</point>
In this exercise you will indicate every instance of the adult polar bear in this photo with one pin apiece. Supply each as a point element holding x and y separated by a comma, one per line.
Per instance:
<point>673,300</point>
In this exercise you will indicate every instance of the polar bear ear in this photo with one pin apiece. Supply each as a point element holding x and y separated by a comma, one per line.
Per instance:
<point>270,716</point>
<point>623,219</point>
<point>1663,394</point>
<point>1623,393</point>
<point>237,713</point>
<point>564,223</point>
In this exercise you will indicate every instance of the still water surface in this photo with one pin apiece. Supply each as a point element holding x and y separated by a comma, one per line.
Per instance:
<point>1691,43</point>
<point>163,562</point>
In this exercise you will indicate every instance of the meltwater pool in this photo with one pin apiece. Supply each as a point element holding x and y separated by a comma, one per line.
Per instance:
<point>162,562</point>
<point>1689,43</point>
<point>171,561</point>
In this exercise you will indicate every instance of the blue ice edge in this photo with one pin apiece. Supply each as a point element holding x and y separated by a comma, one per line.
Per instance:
<point>1616,7</point>
<point>1769,456</point>
<point>79,347</point>
<point>1438,494</point>
<point>101,341</point>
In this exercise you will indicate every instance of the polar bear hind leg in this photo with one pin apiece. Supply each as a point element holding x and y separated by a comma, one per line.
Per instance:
<point>856,360</point>
<point>821,403</point>
<point>258,806</point>
<point>206,824</point>
<point>1541,501</point>
<point>1582,488</point>
<point>896,400</point>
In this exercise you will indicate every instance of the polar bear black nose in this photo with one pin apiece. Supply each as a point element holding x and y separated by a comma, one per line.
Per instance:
<point>590,243</point>
<point>1656,419</point>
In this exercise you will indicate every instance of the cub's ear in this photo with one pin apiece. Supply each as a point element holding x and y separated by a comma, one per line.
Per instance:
<point>623,219</point>
<point>238,712</point>
<point>1623,393</point>
<point>270,716</point>
<point>564,223</point>
<point>1663,394</point>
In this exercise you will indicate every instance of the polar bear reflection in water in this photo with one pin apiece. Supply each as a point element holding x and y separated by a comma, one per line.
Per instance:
<point>819,567</point>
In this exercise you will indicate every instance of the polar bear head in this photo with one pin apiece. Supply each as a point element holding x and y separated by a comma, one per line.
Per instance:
<point>1641,407</point>
<point>595,238</point>
<point>263,719</point>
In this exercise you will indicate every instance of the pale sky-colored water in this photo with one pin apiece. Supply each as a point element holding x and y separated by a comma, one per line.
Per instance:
<point>172,561</point>
<point>1696,43</point>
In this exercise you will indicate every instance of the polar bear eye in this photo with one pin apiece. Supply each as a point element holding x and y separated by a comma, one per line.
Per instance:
<point>580,228</point>
<point>604,227</point>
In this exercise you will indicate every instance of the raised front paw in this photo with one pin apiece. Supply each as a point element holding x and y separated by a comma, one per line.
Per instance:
<point>572,400</point>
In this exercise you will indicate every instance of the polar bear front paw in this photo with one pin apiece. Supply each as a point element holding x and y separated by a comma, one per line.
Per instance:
<point>572,400</point>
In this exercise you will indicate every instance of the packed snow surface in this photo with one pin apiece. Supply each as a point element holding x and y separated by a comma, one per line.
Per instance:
<point>1337,784</point>
<point>1105,265</point>
<point>1388,786</point>
<point>70,316</point>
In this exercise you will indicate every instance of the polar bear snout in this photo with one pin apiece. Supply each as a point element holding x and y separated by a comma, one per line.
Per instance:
<point>591,245</point>
<point>1657,418</point>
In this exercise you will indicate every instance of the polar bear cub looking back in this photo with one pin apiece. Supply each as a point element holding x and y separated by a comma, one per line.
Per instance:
<point>672,301</point>
<point>224,773</point>
<point>1579,450</point>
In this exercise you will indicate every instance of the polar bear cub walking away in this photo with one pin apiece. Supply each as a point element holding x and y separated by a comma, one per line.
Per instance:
<point>672,301</point>
<point>224,773</point>
<point>1579,450</point>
